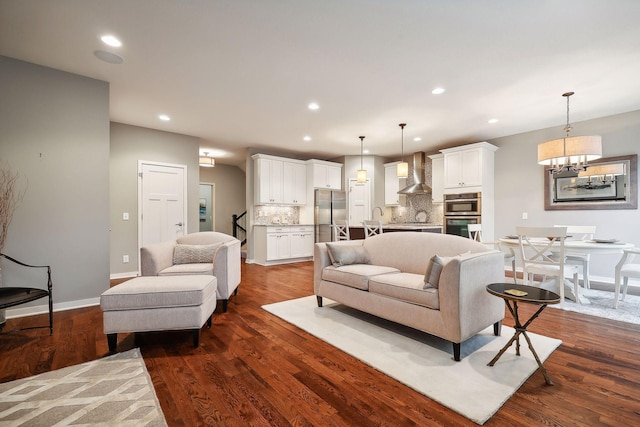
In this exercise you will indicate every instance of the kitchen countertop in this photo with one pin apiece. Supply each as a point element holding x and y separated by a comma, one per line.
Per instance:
<point>405,225</point>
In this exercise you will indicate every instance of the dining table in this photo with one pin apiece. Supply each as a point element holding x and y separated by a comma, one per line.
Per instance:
<point>594,246</point>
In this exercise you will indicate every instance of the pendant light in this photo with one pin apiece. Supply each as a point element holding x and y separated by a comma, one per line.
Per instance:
<point>571,153</point>
<point>362,174</point>
<point>403,167</point>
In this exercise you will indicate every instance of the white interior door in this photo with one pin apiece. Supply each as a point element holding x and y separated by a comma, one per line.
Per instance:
<point>359,201</point>
<point>161,202</point>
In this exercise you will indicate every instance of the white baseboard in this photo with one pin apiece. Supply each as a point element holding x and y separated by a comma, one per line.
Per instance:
<point>127,275</point>
<point>44,308</point>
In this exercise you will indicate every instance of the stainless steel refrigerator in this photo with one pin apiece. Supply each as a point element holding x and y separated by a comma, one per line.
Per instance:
<point>330,205</point>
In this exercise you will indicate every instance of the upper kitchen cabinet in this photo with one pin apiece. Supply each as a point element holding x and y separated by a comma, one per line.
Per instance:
<point>393,184</point>
<point>327,175</point>
<point>268,176</point>
<point>279,180</point>
<point>468,168</point>
<point>437,178</point>
<point>294,190</point>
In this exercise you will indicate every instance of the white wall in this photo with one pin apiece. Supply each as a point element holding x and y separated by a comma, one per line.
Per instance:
<point>128,145</point>
<point>54,131</point>
<point>230,194</point>
<point>519,184</point>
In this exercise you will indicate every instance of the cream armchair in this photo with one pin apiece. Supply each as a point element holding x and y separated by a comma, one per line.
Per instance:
<point>157,260</point>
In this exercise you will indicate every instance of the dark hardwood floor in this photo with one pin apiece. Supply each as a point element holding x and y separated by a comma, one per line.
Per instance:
<point>254,369</point>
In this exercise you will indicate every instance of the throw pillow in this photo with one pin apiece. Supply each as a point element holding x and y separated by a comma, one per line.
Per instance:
<point>347,254</point>
<point>190,254</point>
<point>432,276</point>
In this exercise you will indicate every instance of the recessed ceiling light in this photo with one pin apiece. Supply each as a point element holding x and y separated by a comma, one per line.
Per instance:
<point>109,57</point>
<point>437,91</point>
<point>111,41</point>
<point>365,151</point>
<point>313,106</point>
<point>307,138</point>
<point>417,138</point>
<point>492,121</point>
<point>164,117</point>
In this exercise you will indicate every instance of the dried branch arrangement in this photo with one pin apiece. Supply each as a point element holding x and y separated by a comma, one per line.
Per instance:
<point>9,198</point>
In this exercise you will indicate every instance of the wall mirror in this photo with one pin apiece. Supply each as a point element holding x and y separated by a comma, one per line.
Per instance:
<point>608,183</point>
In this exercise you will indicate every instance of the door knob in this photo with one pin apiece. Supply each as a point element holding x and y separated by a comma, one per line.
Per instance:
<point>179,224</point>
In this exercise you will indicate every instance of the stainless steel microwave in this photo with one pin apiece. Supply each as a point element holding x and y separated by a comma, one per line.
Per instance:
<point>463,204</point>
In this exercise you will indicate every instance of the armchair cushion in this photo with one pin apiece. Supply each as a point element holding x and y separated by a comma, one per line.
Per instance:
<point>193,254</point>
<point>346,255</point>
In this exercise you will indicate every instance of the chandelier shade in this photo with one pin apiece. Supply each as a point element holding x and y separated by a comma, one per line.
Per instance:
<point>612,169</point>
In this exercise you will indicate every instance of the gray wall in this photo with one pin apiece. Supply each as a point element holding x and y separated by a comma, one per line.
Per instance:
<point>54,131</point>
<point>128,145</point>
<point>519,184</point>
<point>230,194</point>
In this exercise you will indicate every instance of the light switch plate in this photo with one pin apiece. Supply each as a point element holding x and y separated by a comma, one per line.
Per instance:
<point>125,216</point>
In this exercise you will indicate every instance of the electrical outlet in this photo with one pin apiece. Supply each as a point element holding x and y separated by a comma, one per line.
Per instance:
<point>525,215</point>
<point>125,258</point>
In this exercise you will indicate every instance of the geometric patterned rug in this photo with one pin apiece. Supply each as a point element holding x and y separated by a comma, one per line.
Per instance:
<point>112,391</point>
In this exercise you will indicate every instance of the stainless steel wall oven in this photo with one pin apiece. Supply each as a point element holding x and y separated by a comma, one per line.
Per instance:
<point>460,210</point>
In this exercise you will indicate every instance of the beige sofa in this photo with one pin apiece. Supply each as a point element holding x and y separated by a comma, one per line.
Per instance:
<point>157,260</point>
<point>392,284</point>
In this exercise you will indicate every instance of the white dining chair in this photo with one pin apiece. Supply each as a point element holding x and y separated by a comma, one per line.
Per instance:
<point>580,232</point>
<point>475,233</point>
<point>537,244</point>
<point>626,268</point>
<point>341,229</point>
<point>372,227</point>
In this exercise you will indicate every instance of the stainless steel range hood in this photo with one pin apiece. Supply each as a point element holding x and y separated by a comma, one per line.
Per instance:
<point>418,186</point>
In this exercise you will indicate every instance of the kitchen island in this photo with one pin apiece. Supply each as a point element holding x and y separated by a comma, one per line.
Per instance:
<point>357,231</point>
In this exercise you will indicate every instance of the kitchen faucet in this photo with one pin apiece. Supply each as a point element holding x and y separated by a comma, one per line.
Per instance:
<point>373,212</point>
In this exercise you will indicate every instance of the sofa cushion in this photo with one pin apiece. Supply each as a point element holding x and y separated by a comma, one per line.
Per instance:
<point>188,269</point>
<point>193,254</point>
<point>156,292</point>
<point>347,254</point>
<point>432,276</point>
<point>355,275</point>
<point>407,287</point>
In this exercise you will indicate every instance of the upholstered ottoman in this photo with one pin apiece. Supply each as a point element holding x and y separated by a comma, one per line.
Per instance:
<point>159,303</point>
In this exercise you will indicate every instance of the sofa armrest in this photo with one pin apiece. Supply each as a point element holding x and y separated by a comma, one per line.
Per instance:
<point>464,300</point>
<point>156,257</point>
<point>226,268</point>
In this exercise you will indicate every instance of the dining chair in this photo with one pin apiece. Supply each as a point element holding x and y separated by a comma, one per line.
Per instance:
<point>626,268</point>
<point>341,228</point>
<point>542,252</point>
<point>372,227</point>
<point>475,233</point>
<point>580,232</point>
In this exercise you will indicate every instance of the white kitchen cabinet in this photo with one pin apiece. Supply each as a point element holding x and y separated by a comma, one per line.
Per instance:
<point>301,242</point>
<point>279,180</point>
<point>393,184</point>
<point>280,244</point>
<point>326,175</point>
<point>437,178</point>
<point>469,167</point>
<point>268,175</point>
<point>294,181</point>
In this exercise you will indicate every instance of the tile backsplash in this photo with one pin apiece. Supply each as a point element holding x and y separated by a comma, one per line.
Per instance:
<point>417,203</point>
<point>265,215</point>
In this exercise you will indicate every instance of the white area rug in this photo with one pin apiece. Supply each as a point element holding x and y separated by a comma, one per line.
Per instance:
<point>600,304</point>
<point>421,361</point>
<point>113,391</point>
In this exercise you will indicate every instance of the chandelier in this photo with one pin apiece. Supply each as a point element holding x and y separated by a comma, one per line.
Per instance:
<point>571,153</point>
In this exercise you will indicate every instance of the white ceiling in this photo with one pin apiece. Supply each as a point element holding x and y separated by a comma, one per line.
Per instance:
<point>240,73</point>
